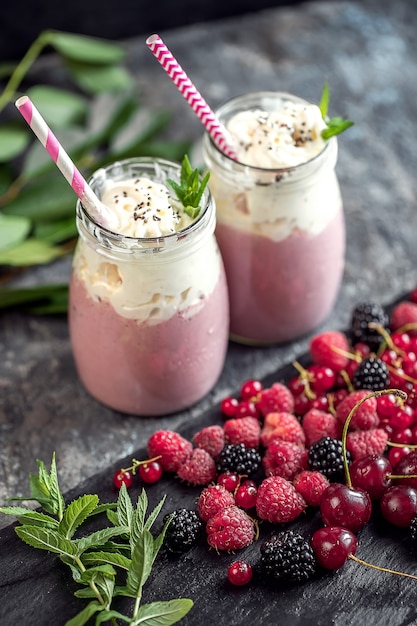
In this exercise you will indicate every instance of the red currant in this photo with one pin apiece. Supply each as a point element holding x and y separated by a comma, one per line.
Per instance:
<point>250,389</point>
<point>123,477</point>
<point>150,472</point>
<point>245,496</point>
<point>396,454</point>
<point>228,406</point>
<point>387,405</point>
<point>246,408</point>
<point>322,378</point>
<point>239,573</point>
<point>228,480</point>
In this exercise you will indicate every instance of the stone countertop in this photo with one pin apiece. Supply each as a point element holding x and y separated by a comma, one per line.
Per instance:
<point>366,51</point>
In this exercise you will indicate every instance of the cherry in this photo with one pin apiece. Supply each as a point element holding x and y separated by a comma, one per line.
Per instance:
<point>228,406</point>
<point>239,573</point>
<point>407,465</point>
<point>250,389</point>
<point>399,505</point>
<point>371,474</point>
<point>333,545</point>
<point>150,472</point>
<point>396,454</point>
<point>122,477</point>
<point>245,495</point>
<point>229,481</point>
<point>344,506</point>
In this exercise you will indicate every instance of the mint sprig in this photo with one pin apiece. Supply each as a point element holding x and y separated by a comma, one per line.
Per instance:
<point>113,561</point>
<point>189,190</point>
<point>335,125</point>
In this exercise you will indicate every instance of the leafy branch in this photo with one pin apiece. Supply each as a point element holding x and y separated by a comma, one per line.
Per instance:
<point>98,119</point>
<point>113,561</point>
<point>335,125</point>
<point>189,190</point>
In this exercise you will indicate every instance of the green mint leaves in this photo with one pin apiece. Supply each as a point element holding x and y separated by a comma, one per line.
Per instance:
<point>189,191</point>
<point>114,561</point>
<point>335,125</point>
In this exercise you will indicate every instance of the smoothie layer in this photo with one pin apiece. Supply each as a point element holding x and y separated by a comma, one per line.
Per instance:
<point>148,369</point>
<point>279,290</point>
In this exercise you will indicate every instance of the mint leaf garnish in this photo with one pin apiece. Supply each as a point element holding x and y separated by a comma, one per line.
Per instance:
<point>189,191</point>
<point>114,561</point>
<point>335,125</point>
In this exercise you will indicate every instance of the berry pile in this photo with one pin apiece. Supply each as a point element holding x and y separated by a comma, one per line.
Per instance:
<point>338,436</point>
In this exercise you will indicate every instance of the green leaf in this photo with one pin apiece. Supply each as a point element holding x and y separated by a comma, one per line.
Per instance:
<point>13,230</point>
<point>162,613</point>
<point>56,495</point>
<point>59,108</point>
<point>107,615</point>
<point>124,508</point>
<point>97,80</point>
<point>13,140</point>
<point>113,558</point>
<point>31,252</point>
<point>92,573</point>
<point>154,514</point>
<point>36,296</point>
<point>99,538</point>
<point>46,539</point>
<point>83,616</point>
<point>113,518</point>
<point>141,565</point>
<point>324,100</point>
<point>34,518</point>
<point>86,49</point>
<point>76,513</point>
<point>189,190</point>
<point>335,126</point>
<point>57,231</point>
<point>141,128</point>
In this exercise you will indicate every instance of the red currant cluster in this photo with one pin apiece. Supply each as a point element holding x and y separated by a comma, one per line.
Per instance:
<point>149,471</point>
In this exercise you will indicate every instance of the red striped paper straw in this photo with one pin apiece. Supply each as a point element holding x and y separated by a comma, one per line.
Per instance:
<point>190,93</point>
<point>51,144</point>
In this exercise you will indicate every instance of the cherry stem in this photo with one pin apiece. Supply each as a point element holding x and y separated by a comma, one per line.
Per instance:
<point>136,463</point>
<point>387,339</point>
<point>304,375</point>
<point>394,444</point>
<point>380,569</point>
<point>374,394</point>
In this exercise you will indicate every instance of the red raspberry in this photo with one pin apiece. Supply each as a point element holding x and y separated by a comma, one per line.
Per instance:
<point>311,486</point>
<point>210,439</point>
<point>284,458</point>
<point>404,313</point>
<point>366,415</point>
<point>245,430</point>
<point>275,399</point>
<point>213,499</point>
<point>198,469</point>
<point>171,447</point>
<point>283,426</point>
<point>318,424</point>
<point>278,501</point>
<point>330,348</point>
<point>230,529</point>
<point>363,442</point>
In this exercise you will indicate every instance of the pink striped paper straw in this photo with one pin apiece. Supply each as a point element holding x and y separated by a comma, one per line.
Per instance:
<point>51,144</point>
<point>190,93</point>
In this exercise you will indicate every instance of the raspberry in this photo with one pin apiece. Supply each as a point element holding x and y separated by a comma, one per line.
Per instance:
<point>246,430</point>
<point>363,442</point>
<point>238,459</point>
<point>311,485</point>
<point>364,314</point>
<point>330,349</point>
<point>230,529</point>
<point>275,399</point>
<point>283,426</point>
<point>287,557</point>
<point>365,416</point>
<point>171,447</point>
<point>278,501</point>
<point>210,439</point>
<point>284,458</point>
<point>372,374</point>
<point>326,456</point>
<point>403,314</point>
<point>318,424</point>
<point>183,531</point>
<point>213,499</point>
<point>198,469</point>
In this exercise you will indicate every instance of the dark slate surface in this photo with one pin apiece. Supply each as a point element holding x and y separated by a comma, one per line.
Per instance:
<point>367,51</point>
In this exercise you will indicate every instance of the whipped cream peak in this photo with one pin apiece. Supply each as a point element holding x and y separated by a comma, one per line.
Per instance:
<point>143,208</point>
<point>282,138</point>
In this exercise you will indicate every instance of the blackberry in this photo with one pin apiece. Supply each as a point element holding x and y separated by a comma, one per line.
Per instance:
<point>364,314</point>
<point>286,556</point>
<point>326,456</point>
<point>372,374</point>
<point>183,531</point>
<point>239,459</point>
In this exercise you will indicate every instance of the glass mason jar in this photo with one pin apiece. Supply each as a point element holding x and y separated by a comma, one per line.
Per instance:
<point>281,233</point>
<point>148,318</point>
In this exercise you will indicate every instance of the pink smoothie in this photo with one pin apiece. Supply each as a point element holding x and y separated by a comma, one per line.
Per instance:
<point>281,289</point>
<point>148,369</point>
